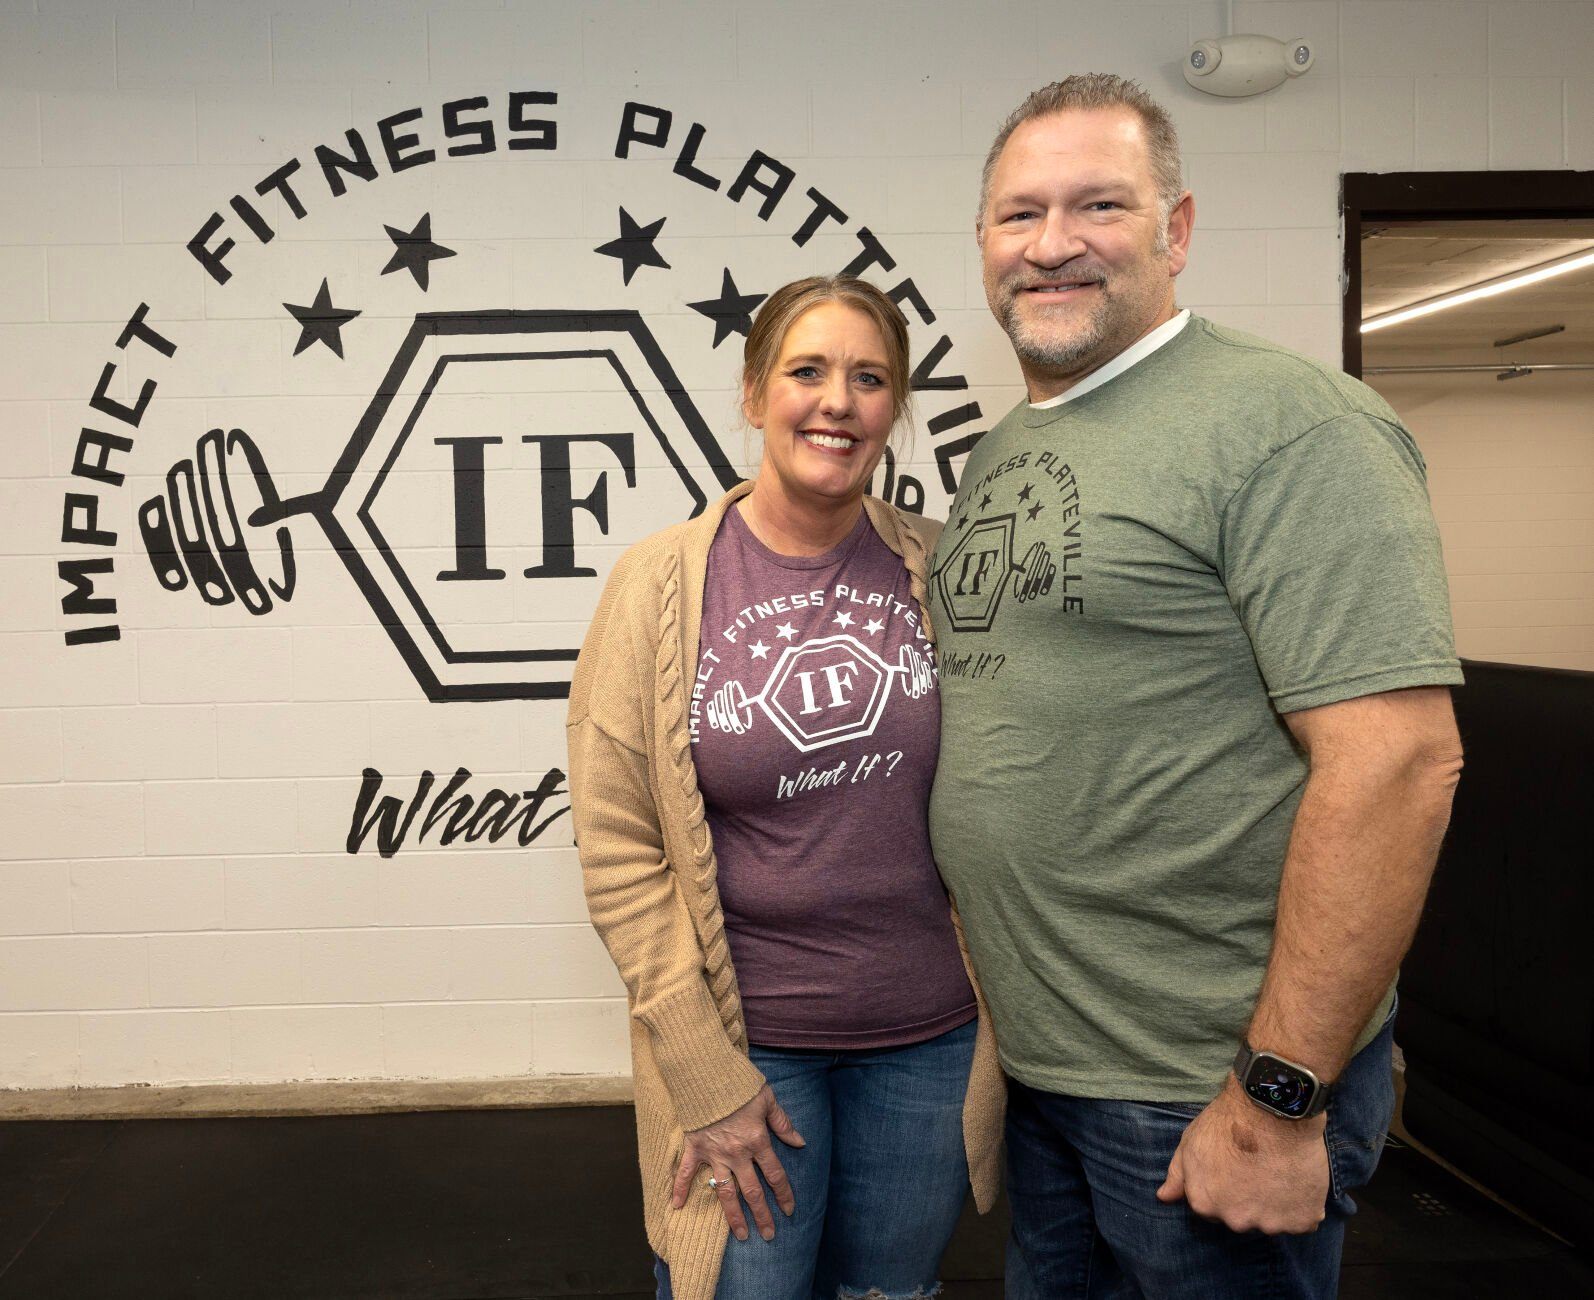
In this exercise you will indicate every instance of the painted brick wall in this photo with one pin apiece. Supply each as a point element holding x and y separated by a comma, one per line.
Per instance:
<point>178,901</point>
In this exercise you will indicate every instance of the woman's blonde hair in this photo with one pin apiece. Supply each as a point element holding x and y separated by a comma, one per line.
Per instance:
<point>781,310</point>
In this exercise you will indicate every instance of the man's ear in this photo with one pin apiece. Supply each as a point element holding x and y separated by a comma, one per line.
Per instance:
<point>1181,225</point>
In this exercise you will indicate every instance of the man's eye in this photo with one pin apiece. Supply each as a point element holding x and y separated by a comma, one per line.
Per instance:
<point>1103,204</point>
<point>1025,215</point>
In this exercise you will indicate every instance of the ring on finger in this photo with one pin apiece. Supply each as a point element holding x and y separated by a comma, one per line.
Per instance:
<point>717,1183</point>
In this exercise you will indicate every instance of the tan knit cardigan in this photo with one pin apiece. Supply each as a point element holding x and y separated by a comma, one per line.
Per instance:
<point>648,866</point>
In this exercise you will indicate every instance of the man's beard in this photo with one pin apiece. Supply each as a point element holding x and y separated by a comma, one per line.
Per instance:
<point>1038,342</point>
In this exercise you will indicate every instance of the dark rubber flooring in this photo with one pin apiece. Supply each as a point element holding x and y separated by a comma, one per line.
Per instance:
<point>467,1205</point>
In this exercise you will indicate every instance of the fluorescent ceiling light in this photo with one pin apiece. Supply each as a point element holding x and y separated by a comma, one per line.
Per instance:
<point>1488,289</point>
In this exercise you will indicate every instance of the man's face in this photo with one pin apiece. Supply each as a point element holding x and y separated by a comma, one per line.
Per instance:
<point>1077,261</point>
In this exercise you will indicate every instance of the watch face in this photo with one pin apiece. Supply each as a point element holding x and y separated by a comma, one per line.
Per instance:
<point>1279,1086</point>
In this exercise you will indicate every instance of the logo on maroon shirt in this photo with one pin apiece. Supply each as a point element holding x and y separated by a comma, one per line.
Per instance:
<point>823,692</point>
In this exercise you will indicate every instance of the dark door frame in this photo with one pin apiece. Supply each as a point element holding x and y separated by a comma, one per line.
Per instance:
<point>1370,197</point>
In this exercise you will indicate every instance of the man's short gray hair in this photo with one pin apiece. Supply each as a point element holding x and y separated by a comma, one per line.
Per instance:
<point>1091,90</point>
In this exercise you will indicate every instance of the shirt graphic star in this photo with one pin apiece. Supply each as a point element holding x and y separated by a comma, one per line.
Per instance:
<point>786,631</point>
<point>873,625</point>
<point>1025,491</point>
<point>759,650</point>
<point>844,619</point>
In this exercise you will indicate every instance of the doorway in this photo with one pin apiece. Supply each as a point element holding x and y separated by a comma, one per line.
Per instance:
<point>1469,306</point>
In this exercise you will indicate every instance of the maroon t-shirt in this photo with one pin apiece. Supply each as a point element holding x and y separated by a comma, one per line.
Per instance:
<point>815,721</point>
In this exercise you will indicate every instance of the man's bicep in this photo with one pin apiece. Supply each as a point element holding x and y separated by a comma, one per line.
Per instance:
<point>1390,728</point>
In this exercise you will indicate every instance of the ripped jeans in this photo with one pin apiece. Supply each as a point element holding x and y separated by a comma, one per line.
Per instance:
<point>878,1187</point>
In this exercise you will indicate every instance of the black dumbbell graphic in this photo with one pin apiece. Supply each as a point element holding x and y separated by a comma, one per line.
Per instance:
<point>1035,575</point>
<point>731,709</point>
<point>199,530</point>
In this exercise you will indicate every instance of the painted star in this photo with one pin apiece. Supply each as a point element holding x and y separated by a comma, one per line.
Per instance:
<point>985,501</point>
<point>731,312</point>
<point>321,321</point>
<point>1026,490</point>
<point>1035,510</point>
<point>759,649</point>
<point>635,248</point>
<point>844,619</point>
<point>873,625</point>
<point>786,630</point>
<point>414,251</point>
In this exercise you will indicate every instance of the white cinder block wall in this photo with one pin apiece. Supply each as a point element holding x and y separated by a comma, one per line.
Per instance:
<point>178,898</point>
<point>1512,479</point>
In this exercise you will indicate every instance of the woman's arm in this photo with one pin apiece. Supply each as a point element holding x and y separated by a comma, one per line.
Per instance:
<point>637,908</point>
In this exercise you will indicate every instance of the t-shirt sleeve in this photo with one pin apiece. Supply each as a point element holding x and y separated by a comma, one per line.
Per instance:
<point>1332,560</point>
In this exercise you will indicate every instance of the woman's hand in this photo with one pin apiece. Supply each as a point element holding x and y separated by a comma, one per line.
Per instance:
<point>734,1150</point>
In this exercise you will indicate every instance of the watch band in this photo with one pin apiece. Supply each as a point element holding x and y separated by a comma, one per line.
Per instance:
<point>1243,1060</point>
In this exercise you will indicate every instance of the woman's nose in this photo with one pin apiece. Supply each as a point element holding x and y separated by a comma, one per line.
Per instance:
<point>837,399</point>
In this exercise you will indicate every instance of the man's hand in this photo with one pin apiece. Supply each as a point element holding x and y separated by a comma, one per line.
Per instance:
<point>1249,1170</point>
<point>734,1149</point>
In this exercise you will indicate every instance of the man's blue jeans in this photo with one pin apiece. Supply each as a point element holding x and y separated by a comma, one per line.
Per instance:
<point>1082,1177</point>
<point>878,1187</point>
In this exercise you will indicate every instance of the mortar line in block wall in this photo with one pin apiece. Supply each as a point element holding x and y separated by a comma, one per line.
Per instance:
<point>225,858</point>
<point>376,927</point>
<point>616,1000</point>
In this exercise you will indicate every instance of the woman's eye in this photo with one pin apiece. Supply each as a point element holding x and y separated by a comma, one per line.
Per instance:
<point>804,372</point>
<point>870,380</point>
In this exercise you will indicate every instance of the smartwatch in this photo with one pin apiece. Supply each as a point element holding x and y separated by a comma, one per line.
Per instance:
<point>1278,1086</point>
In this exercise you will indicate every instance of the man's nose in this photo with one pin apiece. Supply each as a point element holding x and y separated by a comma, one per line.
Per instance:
<point>1055,242</point>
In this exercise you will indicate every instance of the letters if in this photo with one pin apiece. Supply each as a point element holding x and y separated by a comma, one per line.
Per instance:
<point>559,503</point>
<point>983,561</point>
<point>838,676</point>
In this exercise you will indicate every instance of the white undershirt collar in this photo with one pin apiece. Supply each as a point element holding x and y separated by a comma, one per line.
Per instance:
<point>1137,351</point>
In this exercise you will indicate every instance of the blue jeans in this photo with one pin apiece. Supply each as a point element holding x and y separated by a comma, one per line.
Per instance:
<point>1082,1176</point>
<point>878,1187</point>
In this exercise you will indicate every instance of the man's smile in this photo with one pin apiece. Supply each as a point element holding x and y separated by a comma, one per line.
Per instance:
<point>1060,289</point>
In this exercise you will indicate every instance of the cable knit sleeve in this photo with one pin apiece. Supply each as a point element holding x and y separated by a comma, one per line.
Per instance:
<point>634,897</point>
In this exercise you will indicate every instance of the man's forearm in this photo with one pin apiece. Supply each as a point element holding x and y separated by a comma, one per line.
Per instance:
<point>1366,836</point>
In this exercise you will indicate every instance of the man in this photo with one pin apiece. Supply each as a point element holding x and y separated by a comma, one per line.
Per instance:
<point>1194,643</point>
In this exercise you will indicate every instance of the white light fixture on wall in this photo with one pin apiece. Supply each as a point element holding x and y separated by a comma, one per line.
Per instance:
<point>1486,289</point>
<point>1237,66</point>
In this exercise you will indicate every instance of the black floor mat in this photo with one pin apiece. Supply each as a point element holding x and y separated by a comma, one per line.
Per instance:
<point>488,1205</point>
<point>1421,1232</point>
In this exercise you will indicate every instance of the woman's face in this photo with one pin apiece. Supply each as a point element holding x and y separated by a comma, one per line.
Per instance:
<point>827,408</point>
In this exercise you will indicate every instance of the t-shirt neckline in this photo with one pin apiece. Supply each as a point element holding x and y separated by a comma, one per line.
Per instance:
<point>1034,417</point>
<point>837,554</point>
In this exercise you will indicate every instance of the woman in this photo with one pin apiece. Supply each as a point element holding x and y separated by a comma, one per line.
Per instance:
<point>753,730</point>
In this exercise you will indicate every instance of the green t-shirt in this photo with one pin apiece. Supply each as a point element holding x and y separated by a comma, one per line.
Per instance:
<point>1131,589</point>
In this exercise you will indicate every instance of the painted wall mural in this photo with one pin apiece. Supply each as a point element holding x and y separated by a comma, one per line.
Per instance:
<point>508,447</point>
